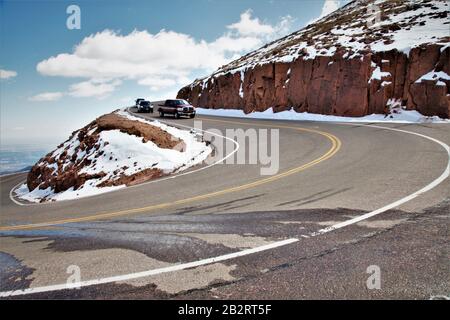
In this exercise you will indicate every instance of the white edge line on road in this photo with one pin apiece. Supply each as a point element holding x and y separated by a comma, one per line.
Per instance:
<point>273,245</point>
<point>397,203</point>
<point>11,195</point>
<point>153,272</point>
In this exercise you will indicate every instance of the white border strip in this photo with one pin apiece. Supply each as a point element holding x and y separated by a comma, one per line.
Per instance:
<point>273,245</point>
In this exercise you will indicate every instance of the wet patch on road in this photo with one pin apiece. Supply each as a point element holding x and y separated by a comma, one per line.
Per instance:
<point>13,274</point>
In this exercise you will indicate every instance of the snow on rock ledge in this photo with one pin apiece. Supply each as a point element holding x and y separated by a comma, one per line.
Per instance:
<point>398,114</point>
<point>112,152</point>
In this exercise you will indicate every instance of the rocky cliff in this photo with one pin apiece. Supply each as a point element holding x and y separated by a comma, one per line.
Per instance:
<point>350,63</point>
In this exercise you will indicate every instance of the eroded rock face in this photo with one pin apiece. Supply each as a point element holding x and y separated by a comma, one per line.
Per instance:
<point>334,85</point>
<point>342,66</point>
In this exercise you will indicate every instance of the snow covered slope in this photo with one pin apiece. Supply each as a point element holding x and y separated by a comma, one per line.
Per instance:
<point>349,63</point>
<point>114,151</point>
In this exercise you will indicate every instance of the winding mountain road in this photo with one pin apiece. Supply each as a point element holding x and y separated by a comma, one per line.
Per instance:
<point>226,231</point>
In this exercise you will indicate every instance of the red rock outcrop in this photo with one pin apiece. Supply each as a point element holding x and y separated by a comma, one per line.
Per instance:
<point>340,81</point>
<point>333,85</point>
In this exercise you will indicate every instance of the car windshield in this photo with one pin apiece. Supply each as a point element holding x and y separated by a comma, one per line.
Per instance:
<point>179,102</point>
<point>145,103</point>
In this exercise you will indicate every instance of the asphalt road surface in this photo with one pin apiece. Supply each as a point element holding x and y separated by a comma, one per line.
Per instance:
<point>268,233</point>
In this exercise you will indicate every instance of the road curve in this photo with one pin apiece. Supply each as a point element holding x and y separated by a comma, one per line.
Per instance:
<point>345,172</point>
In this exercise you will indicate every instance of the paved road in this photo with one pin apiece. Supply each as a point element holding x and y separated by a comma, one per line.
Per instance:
<point>231,208</point>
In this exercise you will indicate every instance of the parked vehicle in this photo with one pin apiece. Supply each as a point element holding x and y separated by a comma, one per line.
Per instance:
<point>144,106</point>
<point>136,104</point>
<point>176,107</point>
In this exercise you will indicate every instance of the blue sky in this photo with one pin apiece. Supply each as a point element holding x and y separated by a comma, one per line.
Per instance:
<point>55,80</point>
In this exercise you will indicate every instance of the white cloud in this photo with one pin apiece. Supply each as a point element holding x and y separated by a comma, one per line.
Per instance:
<point>249,26</point>
<point>157,84</point>
<point>230,44</point>
<point>6,74</point>
<point>284,26</point>
<point>165,60</point>
<point>47,96</point>
<point>98,88</point>
<point>138,54</point>
<point>252,28</point>
<point>329,6</point>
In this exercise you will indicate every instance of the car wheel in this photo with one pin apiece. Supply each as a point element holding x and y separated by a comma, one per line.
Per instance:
<point>192,116</point>
<point>161,114</point>
<point>177,115</point>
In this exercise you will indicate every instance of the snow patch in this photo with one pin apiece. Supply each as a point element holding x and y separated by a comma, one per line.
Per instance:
<point>241,89</point>
<point>434,75</point>
<point>377,74</point>
<point>406,116</point>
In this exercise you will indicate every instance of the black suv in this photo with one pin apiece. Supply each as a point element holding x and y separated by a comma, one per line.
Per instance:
<point>176,107</point>
<point>144,106</point>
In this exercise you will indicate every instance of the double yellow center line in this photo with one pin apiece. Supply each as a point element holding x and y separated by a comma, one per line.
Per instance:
<point>335,146</point>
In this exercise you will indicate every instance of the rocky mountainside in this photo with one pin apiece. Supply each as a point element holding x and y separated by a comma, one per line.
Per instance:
<point>113,151</point>
<point>353,62</point>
